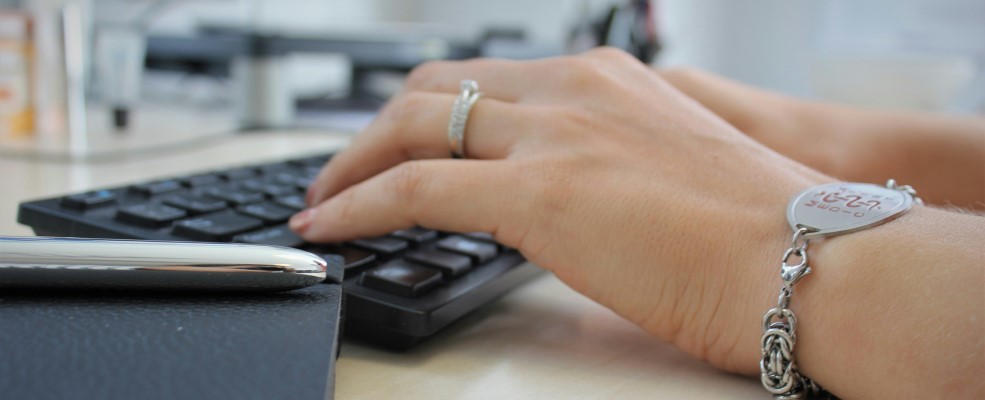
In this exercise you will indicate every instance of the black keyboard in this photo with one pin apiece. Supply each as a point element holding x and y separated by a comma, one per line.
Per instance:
<point>399,288</point>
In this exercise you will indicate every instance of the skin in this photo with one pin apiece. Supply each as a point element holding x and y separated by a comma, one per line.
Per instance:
<point>596,162</point>
<point>853,144</point>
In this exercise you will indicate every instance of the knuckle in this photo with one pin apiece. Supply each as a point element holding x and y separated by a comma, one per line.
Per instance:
<point>618,60</point>
<point>404,107</point>
<point>424,75</point>
<point>610,53</point>
<point>344,207</point>
<point>572,71</point>
<point>581,72</point>
<point>482,62</point>
<point>405,182</point>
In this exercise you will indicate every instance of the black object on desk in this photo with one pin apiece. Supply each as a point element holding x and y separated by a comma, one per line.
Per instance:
<point>399,289</point>
<point>154,345</point>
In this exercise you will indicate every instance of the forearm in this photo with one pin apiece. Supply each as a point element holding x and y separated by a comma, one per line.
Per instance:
<point>897,311</point>
<point>942,155</point>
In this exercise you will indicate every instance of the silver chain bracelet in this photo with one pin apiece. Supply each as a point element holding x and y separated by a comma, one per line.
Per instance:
<point>820,211</point>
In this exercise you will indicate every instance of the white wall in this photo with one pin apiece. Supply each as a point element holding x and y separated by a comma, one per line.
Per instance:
<point>926,54</point>
<point>767,43</point>
<point>544,20</point>
<point>785,45</point>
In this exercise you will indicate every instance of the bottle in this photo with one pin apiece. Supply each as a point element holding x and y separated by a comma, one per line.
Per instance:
<point>16,93</point>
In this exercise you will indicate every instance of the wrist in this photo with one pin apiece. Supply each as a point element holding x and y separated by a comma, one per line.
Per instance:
<point>754,270</point>
<point>835,308</point>
<point>820,212</point>
<point>892,302</point>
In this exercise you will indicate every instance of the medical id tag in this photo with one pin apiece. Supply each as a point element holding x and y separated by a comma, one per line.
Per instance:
<point>845,207</point>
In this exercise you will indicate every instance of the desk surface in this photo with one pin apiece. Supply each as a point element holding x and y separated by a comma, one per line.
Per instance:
<point>542,341</point>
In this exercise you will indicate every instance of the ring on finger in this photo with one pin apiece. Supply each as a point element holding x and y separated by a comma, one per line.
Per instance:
<point>460,109</point>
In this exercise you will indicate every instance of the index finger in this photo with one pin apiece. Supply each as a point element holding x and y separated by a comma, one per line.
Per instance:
<point>414,126</point>
<point>443,194</point>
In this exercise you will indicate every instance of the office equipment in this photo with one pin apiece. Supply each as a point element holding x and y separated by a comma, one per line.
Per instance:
<point>73,263</point>
<point>399,288</point>
<point>17,101</point>
<point>119,64</point>
<point>257,62</point>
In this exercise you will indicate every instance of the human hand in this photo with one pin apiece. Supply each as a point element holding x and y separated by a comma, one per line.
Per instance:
<point>596,169</point>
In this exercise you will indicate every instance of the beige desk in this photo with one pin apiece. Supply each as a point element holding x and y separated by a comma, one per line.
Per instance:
<point>542,341</point>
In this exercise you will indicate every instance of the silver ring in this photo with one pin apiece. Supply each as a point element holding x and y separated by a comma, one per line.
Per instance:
<point>460,116</point>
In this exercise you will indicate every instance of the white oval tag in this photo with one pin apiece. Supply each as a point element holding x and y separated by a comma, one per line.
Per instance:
<point>839,208</point>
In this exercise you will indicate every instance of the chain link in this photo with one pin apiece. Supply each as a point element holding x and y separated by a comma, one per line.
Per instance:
<point>778,369</point>
<point>891,184</point>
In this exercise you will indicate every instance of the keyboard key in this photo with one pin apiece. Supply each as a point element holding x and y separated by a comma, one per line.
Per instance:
<point>149,215</point>
<point>481,236</point>
<point>267,211</point>
<point>285,178</point>
<point>270,188</point>
<point>303,183</point>
<point>416,235</point>
<point>238,174</point>
<point>401,278</point>
<point>253,184</point>
<point>279,235</point>
<point>479,251</point>
<point>156,188</point>
<point>313,161</point>
<point>279,190</point>
<point>237,196</point>
<point>89,200</point>
<point>484,237</point>
<point>450,264</point>
<point>356,259</point>
<point>298,162</point>
<point>196,204</point>
<point>216,227</point>
<point>383,245</point>
<point>276,168</point>
<point>298,179</point>
<point>296,202</point>
<point>202,180</point>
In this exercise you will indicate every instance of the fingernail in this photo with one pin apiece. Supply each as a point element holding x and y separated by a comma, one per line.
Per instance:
<point>300,221</point>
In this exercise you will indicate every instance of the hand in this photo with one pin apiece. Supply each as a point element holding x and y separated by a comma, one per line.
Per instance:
<point>595,169</point>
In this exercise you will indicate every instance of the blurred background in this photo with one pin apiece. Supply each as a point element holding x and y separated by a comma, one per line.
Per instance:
<point>81,78</point>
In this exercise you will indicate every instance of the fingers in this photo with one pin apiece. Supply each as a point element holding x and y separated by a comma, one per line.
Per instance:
<point>500,79</point>
<point>508,80</point>
<point>415,126</point>
<point>453,195</point>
